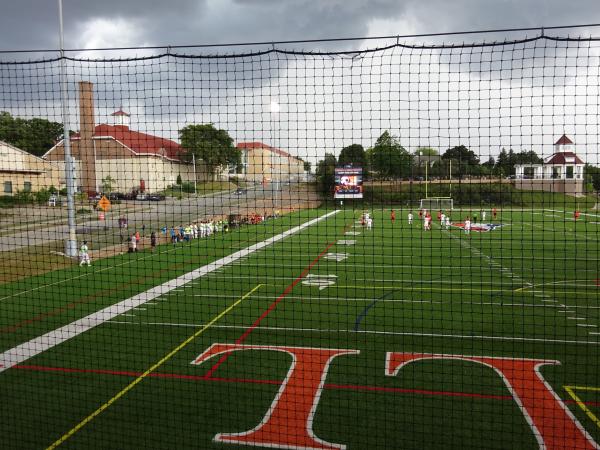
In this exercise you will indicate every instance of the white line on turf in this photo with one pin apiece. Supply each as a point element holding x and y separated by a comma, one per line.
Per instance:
<point>45,342</point>
<point>374,332</point>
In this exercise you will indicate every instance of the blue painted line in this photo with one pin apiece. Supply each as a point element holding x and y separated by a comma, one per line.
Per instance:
<point>365,311</point>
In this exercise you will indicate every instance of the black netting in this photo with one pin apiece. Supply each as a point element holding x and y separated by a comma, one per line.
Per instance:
<point>391,248</point>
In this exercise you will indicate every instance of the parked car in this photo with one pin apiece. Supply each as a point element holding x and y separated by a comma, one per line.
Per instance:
<point>116,196</point>
<point>141,197</point>
<point>155,197</point>
<point>130,195</point>
<point>240,191</point>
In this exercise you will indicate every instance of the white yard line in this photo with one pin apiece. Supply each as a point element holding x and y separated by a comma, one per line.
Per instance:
<point>373,332</point>
<point>49,340</point>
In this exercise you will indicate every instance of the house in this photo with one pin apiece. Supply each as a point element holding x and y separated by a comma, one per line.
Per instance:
<point>132,159</point>
<point>22,171</point>
<point>261,162</point>
<point>561,172</point>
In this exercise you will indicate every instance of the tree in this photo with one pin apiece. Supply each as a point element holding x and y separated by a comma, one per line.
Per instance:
<point>503,165</point>
<point>507,160</point>
<point>325,173</point>
<point>107,184</point>
<point>487,168</point>
<point>592,176</point>
<point>214,147</point>
<point>353,154</point>
<point>427,161</point>
<point>388,158</point>
<point>307,165</point>
<point>35,136</point>
<point>467,162</point>
<point>426,151</point>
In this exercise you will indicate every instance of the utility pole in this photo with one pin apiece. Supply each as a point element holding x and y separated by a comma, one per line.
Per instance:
<point>71,243</point>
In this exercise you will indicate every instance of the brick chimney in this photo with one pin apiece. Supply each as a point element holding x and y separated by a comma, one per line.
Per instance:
<point>86,131</point>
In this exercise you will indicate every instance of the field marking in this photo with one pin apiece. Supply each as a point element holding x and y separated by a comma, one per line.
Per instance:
<point>576,234</point>
<point>373,332</point>
<point>571,391</point>
<point>103,269</point>
<point>272,306</point>
<point>347,265</point>
<point>26,350</point>
<point>321,299</point>
<point>155,366</point>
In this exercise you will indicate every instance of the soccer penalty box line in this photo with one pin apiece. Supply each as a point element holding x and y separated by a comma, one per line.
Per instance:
<point>45,342</point>
<point>155,366</point>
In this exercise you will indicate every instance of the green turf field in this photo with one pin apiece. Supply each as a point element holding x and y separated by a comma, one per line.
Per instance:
<point>459,310</point>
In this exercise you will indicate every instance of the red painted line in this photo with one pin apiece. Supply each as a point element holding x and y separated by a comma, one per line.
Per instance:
<point>271,307</point>
<point>342,387</point>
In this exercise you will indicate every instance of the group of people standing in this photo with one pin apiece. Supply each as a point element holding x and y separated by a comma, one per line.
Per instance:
<point>195,230</point>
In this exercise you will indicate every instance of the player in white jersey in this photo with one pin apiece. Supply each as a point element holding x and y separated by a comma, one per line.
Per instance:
<point>410,218</point>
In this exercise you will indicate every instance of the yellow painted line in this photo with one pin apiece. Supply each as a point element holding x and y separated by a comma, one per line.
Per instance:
<point>571,391</point>
<point>135,382</point>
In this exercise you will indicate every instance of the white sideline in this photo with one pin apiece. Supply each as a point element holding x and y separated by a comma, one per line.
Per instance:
<point>51,339</point>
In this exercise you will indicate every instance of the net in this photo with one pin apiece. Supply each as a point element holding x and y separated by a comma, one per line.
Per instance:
<point>232,256</point>
<point>436,203</point>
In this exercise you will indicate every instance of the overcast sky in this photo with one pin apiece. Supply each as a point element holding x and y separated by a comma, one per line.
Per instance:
<point>33,24</point>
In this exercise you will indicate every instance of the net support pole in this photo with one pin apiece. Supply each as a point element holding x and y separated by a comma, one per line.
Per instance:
<point>71,242</point>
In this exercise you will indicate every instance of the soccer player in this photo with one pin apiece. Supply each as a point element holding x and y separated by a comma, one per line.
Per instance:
<point>467,225</point>
<point>393,216</point>
<point>442,219</point>
<point>494,212</point>
<point>410,217</point>
<point>483,216</point>
<point>576,215</point>
<point>427,222</point>
<point>439,216</point>
<point>369,223</point>
<point>447,222</point>
<point>84,256</point>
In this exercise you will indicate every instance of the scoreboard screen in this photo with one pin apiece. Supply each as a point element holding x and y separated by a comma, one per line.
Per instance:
<point>348,182</point>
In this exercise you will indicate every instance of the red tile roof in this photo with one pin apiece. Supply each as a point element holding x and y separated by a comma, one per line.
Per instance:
<point>564,140</point>
<point>120,112</point>
<point>564,158</point>
<point>255,145</point>
<point>140,143</point>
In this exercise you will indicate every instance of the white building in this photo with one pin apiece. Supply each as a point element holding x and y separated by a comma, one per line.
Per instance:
<point>561,172</point>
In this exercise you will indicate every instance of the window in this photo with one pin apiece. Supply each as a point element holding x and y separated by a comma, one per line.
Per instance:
<point>27,186</point>
<point>8,187</point>
<point>569,172</point>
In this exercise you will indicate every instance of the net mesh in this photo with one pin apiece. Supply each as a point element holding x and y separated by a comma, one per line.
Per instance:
<point>240,262</point>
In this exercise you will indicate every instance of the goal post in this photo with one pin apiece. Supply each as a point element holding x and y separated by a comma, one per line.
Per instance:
<point>436,203</point>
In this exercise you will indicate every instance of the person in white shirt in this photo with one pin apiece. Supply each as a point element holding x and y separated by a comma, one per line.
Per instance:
<point>84,256</point>
<point>369,223</point>
<point>410,218</point>
<point>467,225</point>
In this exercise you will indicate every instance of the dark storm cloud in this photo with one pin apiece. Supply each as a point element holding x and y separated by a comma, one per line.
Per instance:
<point>28,24</point>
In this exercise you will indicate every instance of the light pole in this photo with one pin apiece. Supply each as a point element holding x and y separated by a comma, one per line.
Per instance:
<point>71,243</point>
